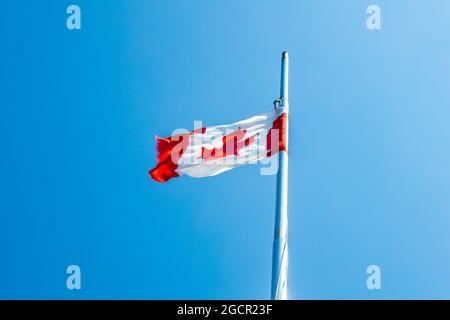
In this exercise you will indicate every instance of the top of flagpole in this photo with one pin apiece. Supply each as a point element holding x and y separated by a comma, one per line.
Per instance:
<point>284,79</point>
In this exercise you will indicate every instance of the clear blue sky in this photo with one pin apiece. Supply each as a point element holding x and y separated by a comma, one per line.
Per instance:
<point>369,158</point>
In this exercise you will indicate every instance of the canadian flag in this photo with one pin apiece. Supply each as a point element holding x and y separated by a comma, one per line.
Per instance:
<point>209,151</point>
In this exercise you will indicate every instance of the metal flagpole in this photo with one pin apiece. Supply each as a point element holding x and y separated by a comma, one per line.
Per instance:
<point>280,244</point>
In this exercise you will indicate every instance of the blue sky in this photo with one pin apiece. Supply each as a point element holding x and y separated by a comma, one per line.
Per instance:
<point>369,154</point>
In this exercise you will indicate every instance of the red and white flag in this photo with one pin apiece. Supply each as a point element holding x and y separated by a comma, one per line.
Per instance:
<point>209,151</point>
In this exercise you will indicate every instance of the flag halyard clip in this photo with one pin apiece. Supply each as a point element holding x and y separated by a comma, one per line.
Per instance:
<point>277,103</point>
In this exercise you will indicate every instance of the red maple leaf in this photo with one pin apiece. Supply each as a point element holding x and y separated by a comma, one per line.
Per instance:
<point>232,143</point>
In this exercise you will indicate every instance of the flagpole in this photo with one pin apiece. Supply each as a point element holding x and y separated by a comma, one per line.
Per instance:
<point>280,242</point>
